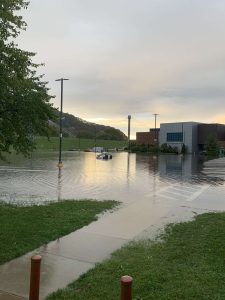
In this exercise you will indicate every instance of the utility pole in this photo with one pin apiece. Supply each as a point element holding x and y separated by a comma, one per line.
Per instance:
<point>129,118</point>
<point>60,164</point>
<point>95,138</point>
<point>156,138</point>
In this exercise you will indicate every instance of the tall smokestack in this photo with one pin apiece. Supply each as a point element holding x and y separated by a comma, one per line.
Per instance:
<point>129,118</point>
<point>156,133</point>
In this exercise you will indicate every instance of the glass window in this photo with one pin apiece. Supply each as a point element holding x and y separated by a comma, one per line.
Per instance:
<point>175,137</point>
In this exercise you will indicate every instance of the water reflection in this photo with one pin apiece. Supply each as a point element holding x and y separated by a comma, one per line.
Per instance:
<point>179,167</point>
<point>128,165</point>
<point>59,186</point>
<point>127,177</point>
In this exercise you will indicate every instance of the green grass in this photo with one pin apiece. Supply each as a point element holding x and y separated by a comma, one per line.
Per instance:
<point>189,263</point>
<point>70,143</point>
<point>23,229</point>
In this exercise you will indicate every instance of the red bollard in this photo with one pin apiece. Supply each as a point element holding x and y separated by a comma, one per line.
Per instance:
<point>126,287</point>
<point>35,277</point>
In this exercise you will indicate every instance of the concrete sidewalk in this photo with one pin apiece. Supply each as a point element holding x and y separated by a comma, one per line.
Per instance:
<point>65,259</point>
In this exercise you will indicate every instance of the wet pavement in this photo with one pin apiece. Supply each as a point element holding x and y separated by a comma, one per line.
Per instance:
<point>215,168</point>
<point>6,296</point>
<point>65,259</point>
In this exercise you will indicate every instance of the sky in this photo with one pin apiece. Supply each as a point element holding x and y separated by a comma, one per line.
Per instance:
<point>132,57</point>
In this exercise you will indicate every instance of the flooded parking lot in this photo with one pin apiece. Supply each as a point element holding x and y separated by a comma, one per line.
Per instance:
<point>126,178</point>
<point>154,190</point>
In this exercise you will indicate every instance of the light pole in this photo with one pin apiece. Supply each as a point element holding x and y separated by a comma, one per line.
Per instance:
<point>60,164</point>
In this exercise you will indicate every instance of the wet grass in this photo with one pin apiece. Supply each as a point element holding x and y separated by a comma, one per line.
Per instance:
<point>69,143</point>
<point>188,263</point>
<point>23,229</point>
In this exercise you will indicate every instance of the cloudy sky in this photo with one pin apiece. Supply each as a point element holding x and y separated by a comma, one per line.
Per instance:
<point>135,57</point>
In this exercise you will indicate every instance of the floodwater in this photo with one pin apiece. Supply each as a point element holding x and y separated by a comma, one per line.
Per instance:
<point>154,190</point>
<point>126,178</point>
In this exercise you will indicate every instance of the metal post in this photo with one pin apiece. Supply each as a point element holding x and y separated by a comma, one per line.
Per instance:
<point>35,277</point>
<point>60,125</point>
<point>60,164</point>
<point>95,138</point>
<point>126,287</point>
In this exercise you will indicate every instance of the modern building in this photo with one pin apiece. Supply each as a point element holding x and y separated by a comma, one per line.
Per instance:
<point>177,134</point>
<point>193,135</point>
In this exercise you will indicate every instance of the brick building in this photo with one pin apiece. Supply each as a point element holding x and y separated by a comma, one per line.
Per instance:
<point>147,138</point>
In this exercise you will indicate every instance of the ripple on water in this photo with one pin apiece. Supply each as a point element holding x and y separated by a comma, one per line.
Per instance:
<point>124,178</point>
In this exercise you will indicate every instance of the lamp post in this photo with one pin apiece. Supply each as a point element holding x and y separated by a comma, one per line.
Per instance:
<point>60,164</point>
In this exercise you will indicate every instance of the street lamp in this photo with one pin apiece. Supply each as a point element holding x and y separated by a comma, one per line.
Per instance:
<point>60,164</point>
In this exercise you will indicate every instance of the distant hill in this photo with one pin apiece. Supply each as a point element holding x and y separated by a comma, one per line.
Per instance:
<point>74,126</point>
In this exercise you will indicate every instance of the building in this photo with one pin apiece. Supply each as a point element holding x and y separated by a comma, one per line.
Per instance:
<point>206,130</point>
<point>147,138</point>
<point>177,134</point>
<point>193,135</point>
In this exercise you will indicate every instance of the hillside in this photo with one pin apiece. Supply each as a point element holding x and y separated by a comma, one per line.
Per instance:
<point>74,126</point>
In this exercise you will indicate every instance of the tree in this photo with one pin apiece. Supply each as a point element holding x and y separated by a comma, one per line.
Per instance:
<point>212,147</point>
<point>85,135</point>
<point>24,101</point>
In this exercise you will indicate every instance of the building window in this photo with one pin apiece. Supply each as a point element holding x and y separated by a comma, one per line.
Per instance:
<point>175,137</point>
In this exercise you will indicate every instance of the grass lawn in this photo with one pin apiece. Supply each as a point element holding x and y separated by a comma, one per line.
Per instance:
<point>69,143</point>
<point>189,263</point>
<point>23,229</point>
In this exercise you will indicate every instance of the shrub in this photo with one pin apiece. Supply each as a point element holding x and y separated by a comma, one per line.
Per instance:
<point>212,147</point>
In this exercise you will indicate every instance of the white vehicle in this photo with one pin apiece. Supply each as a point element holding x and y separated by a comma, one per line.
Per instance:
<point>104,155</point>
<point>97,149</point>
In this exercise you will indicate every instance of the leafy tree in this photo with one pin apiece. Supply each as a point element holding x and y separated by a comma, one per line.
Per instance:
<point>85,135</point>
<point>24,100</point>
<point>212,147</point>
<point>77,126</point>
<point>144,148</point>
<point>114,134</point>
